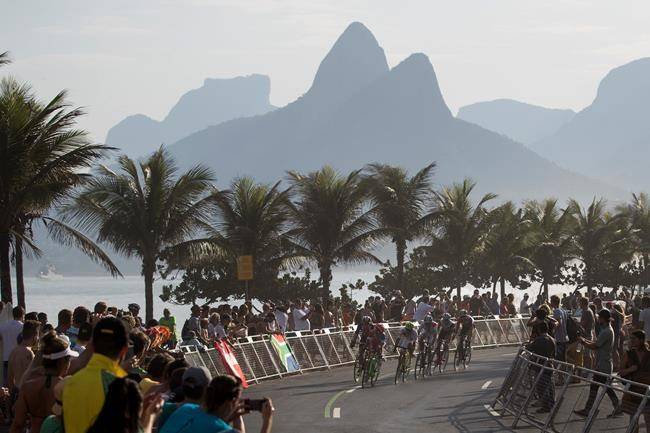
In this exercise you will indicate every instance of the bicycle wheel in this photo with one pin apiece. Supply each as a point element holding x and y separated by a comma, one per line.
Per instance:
<point>419,366</point>
<point>357,370</point>
<point>367,371</point>
<point>376,370</point>
<point>468,354</point>
<point>398,370</point>
<point>457,358</point>
<point>428,361</point>
<point>406,367</point>
<point>443,361</point>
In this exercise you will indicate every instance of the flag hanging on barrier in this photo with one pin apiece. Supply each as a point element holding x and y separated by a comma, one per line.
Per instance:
<point>229,361</point>
<point>284,352</point>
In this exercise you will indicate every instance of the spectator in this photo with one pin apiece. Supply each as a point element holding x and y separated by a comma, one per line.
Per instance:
<point>83,395</point>
<point>124,410</point>
<point>317,317</point>
<point>422,309</point>
<point>42,318</point>
<point>524,307</point>
<point>83,338</point>
<point>543,345</point>
<point>80,316</point>
<point>9,332</point>
<point>169,322</point>
<point>409,309</point>
<point>300,316</point>
<point>193,323</point>
<point>281,317</point>
<point>475,304</point>
<point>22,355</point>
<point>54,422</point>
<point>215,321</point>
<point>636,367</point>
<point>223,410</point>
<point>561,336</point>
<point>64,321</point>
<point>37,397</point>
<point>134,309</point>
<point>155,371</point>
<point>604,345</point>
<point>510,306</point>
<point>194,383</point>
<point>587,322</point>
<point>396,308</point>
<point>644,316</point>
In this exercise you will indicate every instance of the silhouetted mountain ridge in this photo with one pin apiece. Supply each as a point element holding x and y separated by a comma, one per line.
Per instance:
<point>218,100</point>
<point>610,139</point>
<point>520,121</point>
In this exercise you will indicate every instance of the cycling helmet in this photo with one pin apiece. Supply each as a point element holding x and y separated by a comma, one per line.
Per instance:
<point>409,325</point>
<point>462,313</point>
<point>366,319</point>
<point>446,317</point>
<point>428,319</point>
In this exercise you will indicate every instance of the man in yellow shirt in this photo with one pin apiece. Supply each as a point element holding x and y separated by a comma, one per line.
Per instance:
<point>84,392</point>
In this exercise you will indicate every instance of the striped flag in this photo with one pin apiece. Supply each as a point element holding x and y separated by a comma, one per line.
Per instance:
<point>229,361</point>
<point>284,352</point>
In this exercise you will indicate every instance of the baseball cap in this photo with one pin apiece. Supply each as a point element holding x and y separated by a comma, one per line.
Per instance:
<point>197,377</point>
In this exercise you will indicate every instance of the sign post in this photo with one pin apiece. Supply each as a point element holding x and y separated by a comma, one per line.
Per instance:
<point>245,270</point>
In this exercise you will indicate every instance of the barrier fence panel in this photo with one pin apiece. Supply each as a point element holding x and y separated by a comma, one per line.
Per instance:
<point>554,396</point>
<point>327,348</point>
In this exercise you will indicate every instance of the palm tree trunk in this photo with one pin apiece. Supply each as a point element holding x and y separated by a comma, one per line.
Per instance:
<point>494,287</point>
<point>502,283</point>
<point>148,269</point>
<point>5,269</point>
<point>20,280</point>
<point>325,278</point>
<point>458,294</point>
<point>400,246</point>
<point>545,291</point>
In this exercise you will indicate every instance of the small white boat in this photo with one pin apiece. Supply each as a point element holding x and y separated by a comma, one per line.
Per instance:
<point>50,274</point>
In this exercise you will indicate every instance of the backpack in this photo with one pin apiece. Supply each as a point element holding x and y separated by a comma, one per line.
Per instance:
<point>573,329</point>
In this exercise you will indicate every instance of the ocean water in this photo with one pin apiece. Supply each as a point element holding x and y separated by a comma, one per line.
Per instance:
<point>70,292</point>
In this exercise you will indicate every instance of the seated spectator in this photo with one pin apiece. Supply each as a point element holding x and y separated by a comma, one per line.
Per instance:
<point>83,395</point>
<point>37,396</point>
<point>169,322</point>
<point>124,410</point>
<point>222,412</point>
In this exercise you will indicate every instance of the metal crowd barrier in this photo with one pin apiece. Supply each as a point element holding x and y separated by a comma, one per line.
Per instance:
<point>545,394</point>
<point>327,348</point>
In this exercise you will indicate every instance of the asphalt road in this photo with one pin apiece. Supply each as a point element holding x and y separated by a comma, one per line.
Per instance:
<point>329,401</point>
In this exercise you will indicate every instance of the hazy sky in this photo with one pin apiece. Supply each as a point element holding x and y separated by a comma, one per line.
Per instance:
<point>122,57</point>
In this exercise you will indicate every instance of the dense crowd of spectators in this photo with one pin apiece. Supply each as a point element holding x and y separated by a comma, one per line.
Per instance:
<point>106,371</point>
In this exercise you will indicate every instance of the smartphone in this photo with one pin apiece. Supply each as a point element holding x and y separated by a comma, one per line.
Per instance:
<point>252,405</point>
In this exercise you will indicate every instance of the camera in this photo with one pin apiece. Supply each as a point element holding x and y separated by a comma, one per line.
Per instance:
<point>252,405</point>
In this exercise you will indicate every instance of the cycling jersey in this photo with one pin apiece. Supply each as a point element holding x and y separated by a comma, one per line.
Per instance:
<point>407,337</point>
<point>376,338</point>
<point>446,329</point>
<point>428,332</point>
<point>466,324</point>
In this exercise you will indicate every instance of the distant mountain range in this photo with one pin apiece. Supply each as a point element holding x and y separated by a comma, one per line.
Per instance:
<point>358,110</point>
<point>610,139</point>
<point>522,122</point>
<point>218,100</point>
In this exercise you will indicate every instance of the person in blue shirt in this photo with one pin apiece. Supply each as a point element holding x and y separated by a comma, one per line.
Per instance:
<point>221,412</point>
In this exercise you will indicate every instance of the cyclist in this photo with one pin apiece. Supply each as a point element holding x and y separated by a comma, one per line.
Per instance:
<point>446,332</point>
<point>364,329</point>
<point>376,339</point>
<point>427,332</point>
<point>407,338</point>
<point>464,327</point>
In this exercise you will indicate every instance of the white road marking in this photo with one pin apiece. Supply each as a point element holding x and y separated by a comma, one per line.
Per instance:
<point>492,411</point>
<point>351,390</point>
<point>336,413</point>
<point>509,354</point>
<point>486,384</point>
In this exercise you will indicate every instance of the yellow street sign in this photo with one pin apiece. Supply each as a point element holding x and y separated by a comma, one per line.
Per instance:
<point>245,268</point>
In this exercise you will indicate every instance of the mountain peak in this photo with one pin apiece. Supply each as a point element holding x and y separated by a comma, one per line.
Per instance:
<point>354,61</point>
<point>629,81</point>
<point>416,73</point>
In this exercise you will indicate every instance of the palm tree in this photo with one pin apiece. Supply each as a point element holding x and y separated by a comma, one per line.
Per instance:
<point>4,58</point>
<point>637,214</point>
<point>459,232</point>
<point>252,220</point>
<point>552,228</point>
<point>400,202</point>
<point>331,222</point>
<point>599,242</point>
<point>147,210</point>
<point>42,159</point>
<point>508,246</point>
